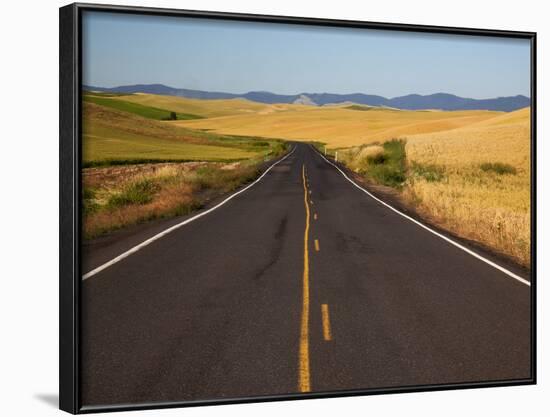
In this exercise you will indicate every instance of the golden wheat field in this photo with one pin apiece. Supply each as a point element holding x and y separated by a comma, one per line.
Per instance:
<point>485,205</point>
<point>338,127</point>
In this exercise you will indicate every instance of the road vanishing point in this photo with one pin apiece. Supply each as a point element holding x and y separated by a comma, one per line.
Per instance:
<point>302,282</point>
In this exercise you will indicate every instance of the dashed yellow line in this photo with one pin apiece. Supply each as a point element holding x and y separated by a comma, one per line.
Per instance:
<point>326,322</point>
<point>304,384</point>
<point>317,245</point>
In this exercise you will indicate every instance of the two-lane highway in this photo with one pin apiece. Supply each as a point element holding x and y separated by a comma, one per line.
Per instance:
<point>301,283</point>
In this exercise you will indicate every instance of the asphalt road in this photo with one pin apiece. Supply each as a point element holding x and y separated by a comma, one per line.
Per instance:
<point>302,283</point>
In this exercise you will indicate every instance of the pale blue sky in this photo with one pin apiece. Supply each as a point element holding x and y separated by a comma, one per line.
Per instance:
<point>236,57</point>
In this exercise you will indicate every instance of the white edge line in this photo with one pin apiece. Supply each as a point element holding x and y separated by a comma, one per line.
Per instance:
<point>452,242</point>
<point>177,226</point>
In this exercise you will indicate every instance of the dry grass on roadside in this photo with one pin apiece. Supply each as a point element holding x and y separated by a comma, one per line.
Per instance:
<point>475,182</point>
<point>115,197</point>
<point>481,208</point>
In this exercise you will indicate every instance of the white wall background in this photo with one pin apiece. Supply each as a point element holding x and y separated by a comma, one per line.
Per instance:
<point>29,205</point>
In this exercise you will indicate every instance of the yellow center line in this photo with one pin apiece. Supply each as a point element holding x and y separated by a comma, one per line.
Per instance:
<point>326,322</point>
<point>316,245</point>
<point>304,375</point>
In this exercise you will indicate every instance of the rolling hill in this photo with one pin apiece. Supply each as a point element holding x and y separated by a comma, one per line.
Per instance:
<point>441,101</point>
<point>112,137</point>
<point>338,127</point>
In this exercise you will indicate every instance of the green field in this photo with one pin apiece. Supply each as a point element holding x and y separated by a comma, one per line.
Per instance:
<point>108,146</point>
<point>114,102</point>
<point>113,137</point>
<point>204,108</point>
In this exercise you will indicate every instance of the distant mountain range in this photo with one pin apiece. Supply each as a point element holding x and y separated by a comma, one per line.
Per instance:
<point>441,101</point>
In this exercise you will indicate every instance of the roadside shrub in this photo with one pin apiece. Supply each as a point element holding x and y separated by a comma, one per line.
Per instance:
<point>388,168</point>
<point>139,192</point>
<point>498,168</point>
<point>89,205</point>
<point>385,163</point>
<point>373,154</point>
<point>395,149</point>
<point>377,159</point>
<point>388,175</point>
<point>206,177</point>
<point>357,158</point>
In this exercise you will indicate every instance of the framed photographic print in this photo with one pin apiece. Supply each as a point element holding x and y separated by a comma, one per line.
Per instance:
<point>259,208</point>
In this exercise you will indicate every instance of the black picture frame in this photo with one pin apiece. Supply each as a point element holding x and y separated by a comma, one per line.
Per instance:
<point>70,40</point>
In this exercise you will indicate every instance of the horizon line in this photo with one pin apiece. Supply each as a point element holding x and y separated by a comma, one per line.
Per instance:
<point>306,93</point>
